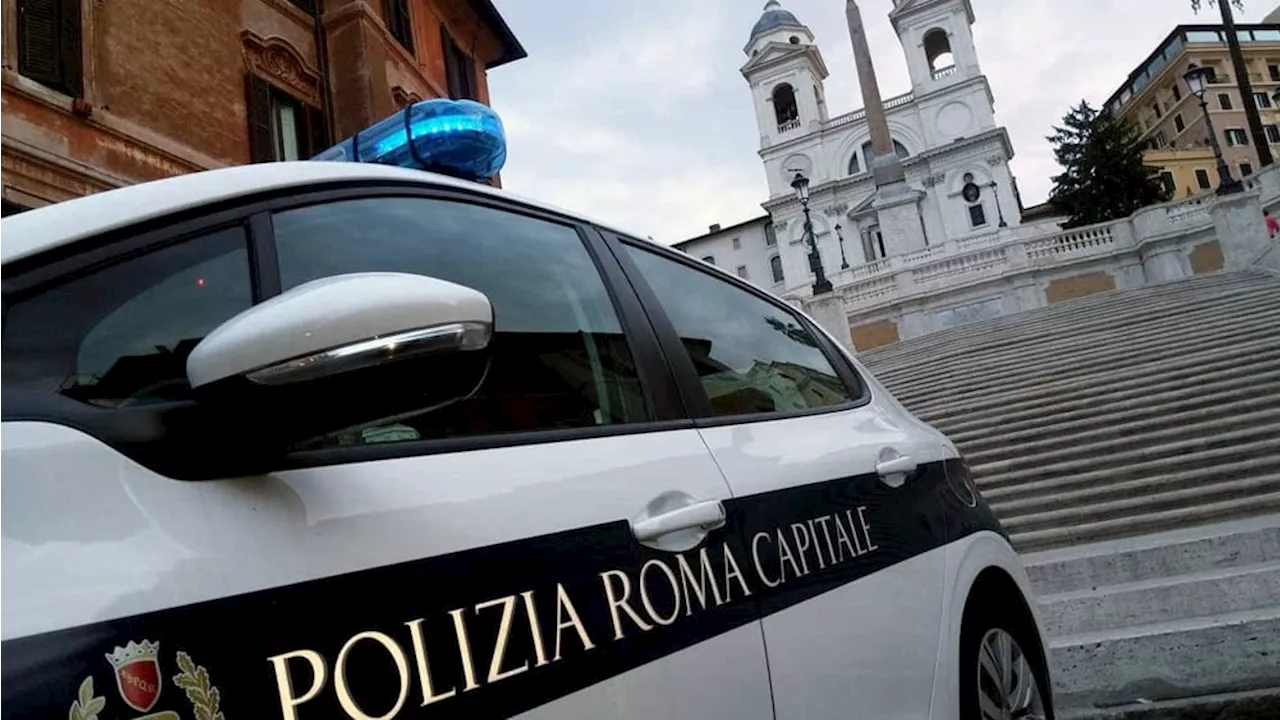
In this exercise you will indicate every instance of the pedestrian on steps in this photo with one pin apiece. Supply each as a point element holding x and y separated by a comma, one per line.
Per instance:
<point>1273,225</point>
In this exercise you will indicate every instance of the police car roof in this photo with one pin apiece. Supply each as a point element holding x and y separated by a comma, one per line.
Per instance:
<point>36,231</point>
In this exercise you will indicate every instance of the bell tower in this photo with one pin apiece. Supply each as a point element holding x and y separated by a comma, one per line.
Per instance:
<point>785,71</point>
<point>937,39</point>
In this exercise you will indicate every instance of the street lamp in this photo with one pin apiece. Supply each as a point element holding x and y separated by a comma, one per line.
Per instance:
<point>820,282</point>
<point>999,211</point>
<point>1197,78</point>
<point>844,261</point>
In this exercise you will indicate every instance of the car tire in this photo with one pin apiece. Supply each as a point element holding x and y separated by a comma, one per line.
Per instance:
<point>1002,668</point>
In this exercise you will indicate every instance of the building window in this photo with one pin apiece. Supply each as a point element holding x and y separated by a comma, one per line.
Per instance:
<point>1262,100</point>
<point>775,267</point>
<point>737,243</point>
<point>1246,169</point>
<point>1237,136</point>
<point>459,68</point>
<point>710,259</point>
<point>873,244</point>
<point>785,109</point>
<point>1177,91</point>
<point>396,13</point>
<point>1202,179</point>
<point>49,44</point>
<point>1275,72</point>
<point>770,235</point>
<point>13,208</point>
<point>1273,133</point>
<point>937,52</point>
<point>869,152</point>
<point>1158,140</point>
<point>742,272</point>
<point>977,215</point>
<point>1224,101</point>
<point>1155,108</point>
<point>1166,179</point>
<point>1178,123</point>
<point>281,127</point>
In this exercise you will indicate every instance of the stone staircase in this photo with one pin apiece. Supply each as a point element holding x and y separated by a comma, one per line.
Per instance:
<point>1130,443</point>
<point>1120,413</point>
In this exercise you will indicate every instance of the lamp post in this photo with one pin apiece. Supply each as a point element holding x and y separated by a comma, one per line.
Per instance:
<point>844,261</point>
<point>820,282</point>
<point>1197,79</point>
<point>999,210</point>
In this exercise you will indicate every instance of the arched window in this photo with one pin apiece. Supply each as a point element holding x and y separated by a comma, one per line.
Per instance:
<point>869,151</point>
<point>937,51</point>
<point>784,107</point>
<point>855,164</point>
<point>775,267</point>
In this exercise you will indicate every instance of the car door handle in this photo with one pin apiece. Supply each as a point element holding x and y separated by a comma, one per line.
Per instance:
<point>900,464</point>
<point>706,515</point>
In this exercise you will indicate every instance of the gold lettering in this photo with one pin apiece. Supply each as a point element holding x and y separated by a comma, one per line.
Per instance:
<point>340,675</point>
<point>563,603</point>
<point>534,628</point>
<point>731,570</point>
<point>802,543</point>
<point>866,529</point>
<point>615,603</point>
<point>504,636</point>
<point>429,695</point>
<point>842,540</point>
<point>675,592</point>
<point>826,533</point>
<point>784,557</point>
<point>464,650</point>
<point>853,530</point>
<point>700,589</point>
<point>284,682</point>
<point>755,555</point>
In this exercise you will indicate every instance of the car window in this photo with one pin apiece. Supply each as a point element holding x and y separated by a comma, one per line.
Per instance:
<point>751,355</point>
<point>121,335</point>
<point>558,358</point>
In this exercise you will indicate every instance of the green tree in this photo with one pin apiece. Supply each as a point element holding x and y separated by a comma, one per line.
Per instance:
<point>1104,176</point>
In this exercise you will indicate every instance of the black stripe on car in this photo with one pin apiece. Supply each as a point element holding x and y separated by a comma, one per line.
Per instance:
<point>491,631</point>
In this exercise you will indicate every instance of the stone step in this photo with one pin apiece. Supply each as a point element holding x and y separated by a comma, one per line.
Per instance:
<point>1148,521</point>
<point>1047,400</point>
<point>1034,341</point>
<point>1162,599</point>
<point>1246,416</point>
<point>1183,551</point>
<point>1182,658</point>
<point>1237,445</point>
<point>1261,704</point>
<point>998,435</point>
<point>960,339</point>
<point>1026,371</point>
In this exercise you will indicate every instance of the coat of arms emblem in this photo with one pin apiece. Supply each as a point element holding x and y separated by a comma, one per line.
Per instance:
<point>137,669</point>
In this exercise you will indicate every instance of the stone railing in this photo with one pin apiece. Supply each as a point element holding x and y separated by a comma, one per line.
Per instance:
<point>1088,240</point>
<point>789,125</point>
<point>944,72</point>
<point>974,263</point>
<point>859,115</point>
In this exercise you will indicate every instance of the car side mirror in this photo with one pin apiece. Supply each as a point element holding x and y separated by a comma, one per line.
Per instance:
<point>340,324</point>
<point>332,355</point>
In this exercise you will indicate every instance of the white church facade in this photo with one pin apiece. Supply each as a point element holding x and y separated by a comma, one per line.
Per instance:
<point>932,236</point>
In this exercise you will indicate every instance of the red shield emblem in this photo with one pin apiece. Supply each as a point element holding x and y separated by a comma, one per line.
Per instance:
<point>137,667</point>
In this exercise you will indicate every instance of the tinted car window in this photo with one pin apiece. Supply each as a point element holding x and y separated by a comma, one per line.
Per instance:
<point>121,335</point>
<point>751,355</point>
<point>558,358</point>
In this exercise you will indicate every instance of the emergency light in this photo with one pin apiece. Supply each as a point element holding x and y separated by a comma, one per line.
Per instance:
<point>462,138</point>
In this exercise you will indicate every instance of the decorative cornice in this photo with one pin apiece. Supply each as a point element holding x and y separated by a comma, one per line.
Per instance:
<point>934,180</point>
<point>837,209</point>
<point>403,97</point>
<point>280,63</point>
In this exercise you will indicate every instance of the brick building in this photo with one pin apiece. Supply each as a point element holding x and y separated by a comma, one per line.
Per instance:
<point>100,94</point>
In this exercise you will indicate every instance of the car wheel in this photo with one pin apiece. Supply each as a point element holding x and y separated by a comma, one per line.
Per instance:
<point>1002,673</point>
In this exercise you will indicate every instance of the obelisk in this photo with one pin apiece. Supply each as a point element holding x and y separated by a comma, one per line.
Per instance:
<point>885,167</point>
<point>897,205</point>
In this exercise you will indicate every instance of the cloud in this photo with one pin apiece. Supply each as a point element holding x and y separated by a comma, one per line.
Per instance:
<point>633,111</point>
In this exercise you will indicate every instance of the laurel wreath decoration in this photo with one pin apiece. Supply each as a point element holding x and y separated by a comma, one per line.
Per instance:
<point>194,679</point>
<point>86,707</point>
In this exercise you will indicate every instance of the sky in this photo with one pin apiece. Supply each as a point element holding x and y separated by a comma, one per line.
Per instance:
<point>635,112</point>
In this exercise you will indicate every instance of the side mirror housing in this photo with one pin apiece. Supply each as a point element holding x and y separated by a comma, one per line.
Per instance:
<point>339,324</point>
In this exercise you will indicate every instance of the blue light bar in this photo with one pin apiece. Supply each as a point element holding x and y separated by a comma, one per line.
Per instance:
<point>462,138</point>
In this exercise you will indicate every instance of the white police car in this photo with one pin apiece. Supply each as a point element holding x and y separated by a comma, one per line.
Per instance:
<point>344,440</point>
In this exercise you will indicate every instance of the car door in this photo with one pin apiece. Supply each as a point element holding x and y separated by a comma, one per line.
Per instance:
<point>548,543</point>
<point>836,486</point>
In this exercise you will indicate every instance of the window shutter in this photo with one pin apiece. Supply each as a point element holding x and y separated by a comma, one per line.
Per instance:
<point>317,139</point>
<point>38,41</point>
<point>406,25</point>
<point>258,106</point>
<point>69,40</point>
<point>468,69</point>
